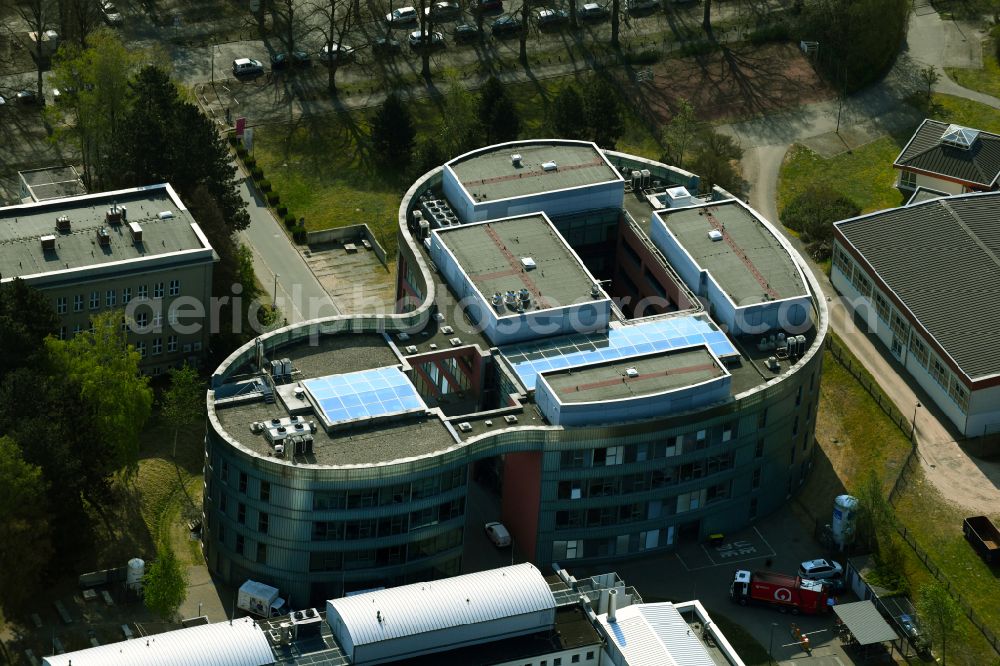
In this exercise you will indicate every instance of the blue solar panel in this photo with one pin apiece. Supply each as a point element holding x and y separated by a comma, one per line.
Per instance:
<point>361,395</point>
<point>570,351</point>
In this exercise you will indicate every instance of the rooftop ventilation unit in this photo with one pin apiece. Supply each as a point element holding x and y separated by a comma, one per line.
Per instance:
<point>595,290</point>
<point>465,426</point>
<point>411,349</point>
<point>115,214</point>
<point>136,232</point>
<point>63,224</point>
<point>515,159</point>
<point>528,263</point>
<point>403,337</point>
<point>165,214</point>
<point>715,235</point>
<point>447,330</point>
<point>438,317</point>
<point>455,342</point>
<point>631,373</point>
<point>103,237</point>
<point>48,242</point>
<point>549,166</point>
<point>510,418</point>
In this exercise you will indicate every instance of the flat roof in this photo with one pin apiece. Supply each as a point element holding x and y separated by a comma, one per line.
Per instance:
<point>490,174</point>
<point>491,255</point>
<point>21,227</point>
<point>909,247</point>
<point>657,373</point>
<point>53,182</point>
<point>748,262</point>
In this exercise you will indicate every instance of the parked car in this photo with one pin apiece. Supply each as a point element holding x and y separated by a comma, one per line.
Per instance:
<point>466,32</point>
<point>593,11</point>
<point>111,14</point>
<point>498,534</point>
<point>419,40</point>
<point>443,11</point>
<point>336,53</point>
<point>26,96</point>
<point>297,59</point>
<point>485,5</point>
<point>247,67</point>
<point>386,46</point>
<point>546,17</point>
<point>505,25</point>
<point>640,6</point>
<point>401,16</point>
<point>820,569</point>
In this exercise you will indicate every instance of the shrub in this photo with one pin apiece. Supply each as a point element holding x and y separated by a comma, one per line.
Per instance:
<point>264,185</point>
<point>290,220</point>
<point>776,32</point>
<point>300,235</point>
<point>995,35</point>
<point>813,212</point>
<point>644,57</point>
<point>233,140</point>
<point>691,49</point>
<point>273,198</point>
<point>241,152</point>
<point>281,209</point>
<point>250,162</point>
<point>257,173</point>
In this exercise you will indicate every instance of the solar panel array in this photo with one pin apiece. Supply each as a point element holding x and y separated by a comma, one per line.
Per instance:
<point>361,395</point>
<point>570,351</point>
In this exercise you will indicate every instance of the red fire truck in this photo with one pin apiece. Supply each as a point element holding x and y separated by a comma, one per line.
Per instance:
<point>786,593</point>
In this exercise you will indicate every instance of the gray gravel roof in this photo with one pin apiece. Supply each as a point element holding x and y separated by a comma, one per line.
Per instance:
<point>980,164</point>
<point>942,259</point>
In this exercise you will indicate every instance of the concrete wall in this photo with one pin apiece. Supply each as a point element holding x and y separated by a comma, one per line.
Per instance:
<point>350,234</point>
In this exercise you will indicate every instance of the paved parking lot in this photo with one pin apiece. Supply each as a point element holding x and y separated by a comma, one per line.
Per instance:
<point>749,548</point>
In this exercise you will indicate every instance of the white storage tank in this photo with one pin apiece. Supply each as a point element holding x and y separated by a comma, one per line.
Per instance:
<point>134,574</point>
<point>845,518</point>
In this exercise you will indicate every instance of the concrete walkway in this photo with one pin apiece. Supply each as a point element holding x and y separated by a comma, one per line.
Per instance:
<point>969,483</point>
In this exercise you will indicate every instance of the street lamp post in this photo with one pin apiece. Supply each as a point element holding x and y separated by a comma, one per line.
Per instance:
<point>275,304</point>
<point>213,65</point>
<point>770,643</point>
<point>913,421</point>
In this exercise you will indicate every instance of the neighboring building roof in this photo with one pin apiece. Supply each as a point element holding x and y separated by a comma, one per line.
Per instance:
<point>656,635</point>
<point>956,152</point>
<point>460,601</point>
<point>747,262</point>
<point>492,256</point>
<point>490,174</point>
<point>52,183</point>
<point>925,194</point>
<point>241,643</point>
<point>865,622</point>
<point>173,233</point>
<point>907,247</point>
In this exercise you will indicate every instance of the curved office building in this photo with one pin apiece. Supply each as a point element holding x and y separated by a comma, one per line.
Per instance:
<point>628,364</point>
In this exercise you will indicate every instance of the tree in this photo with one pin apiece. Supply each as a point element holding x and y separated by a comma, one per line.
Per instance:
<point>940,614</point>
<point>680,132</point>
<point>523,38</point>
<point>426,44</point>
<point>333,19</point>
<point>716,159</point>
<point>497,114</point>
<point>566,116</point>
<point>24,526</point>
<point>706,20</point>
<point>164,586</point>
<point>40,15</point>
<point>77,18</point>
<point>813,212</point>
<point>183,403</point>
<point>929,75</point>
<point>615,23</point>
<point>461,130</point>
<point>286,23</point>
<point>115,394</point>
<point>604,112</point>
<point>26,317</point>
<point>392,133</point>
<point>428,155</point>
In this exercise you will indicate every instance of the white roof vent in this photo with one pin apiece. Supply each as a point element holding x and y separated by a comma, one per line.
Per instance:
<point>165,215</point>
<point>510,418</point>
<point>411,349</point>
<point>715,235</point>
<point>549,166</point>
<point>455,342</point>
<point>515,159</point>
<point>447,330</point>
<point>403,337</point>
<point>632,373</point>
<point>465,426</point>
<point>438,317</point>
<point>528,263</point>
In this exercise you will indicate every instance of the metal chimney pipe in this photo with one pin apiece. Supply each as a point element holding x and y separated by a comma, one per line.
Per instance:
<point>612,605</point>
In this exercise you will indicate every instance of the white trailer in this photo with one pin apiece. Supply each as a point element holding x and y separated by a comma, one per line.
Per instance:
<point>260,599</point>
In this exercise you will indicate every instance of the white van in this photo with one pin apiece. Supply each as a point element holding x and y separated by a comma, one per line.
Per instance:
<point>247,67</point>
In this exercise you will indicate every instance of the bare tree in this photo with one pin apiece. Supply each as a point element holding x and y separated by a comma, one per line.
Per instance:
<point>706,21</point>
<point>573,19</point>
<point>616,11</point>
<point>425,43</point>
<point>333,19</point>
<point>40,15</point>
<point>77,18</point>
<point>525,19</point>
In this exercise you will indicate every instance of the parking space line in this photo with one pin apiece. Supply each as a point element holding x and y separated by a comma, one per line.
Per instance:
<point>682,561</point>
<point>773,552</point>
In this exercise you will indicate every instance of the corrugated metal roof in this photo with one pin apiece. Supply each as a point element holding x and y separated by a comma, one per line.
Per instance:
<point>220,644</point>
<point>940,257</point>
<point>656,635</point>
<point>865,622</point>
<point>980,163</point>
<point>462,600</point>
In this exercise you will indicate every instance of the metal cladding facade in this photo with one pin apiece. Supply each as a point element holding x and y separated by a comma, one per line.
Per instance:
<point>604,491</point>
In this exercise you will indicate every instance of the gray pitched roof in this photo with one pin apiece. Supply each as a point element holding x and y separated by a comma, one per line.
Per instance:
<point>979,164</point>
<point>865,622</point>
<point>942,260</point>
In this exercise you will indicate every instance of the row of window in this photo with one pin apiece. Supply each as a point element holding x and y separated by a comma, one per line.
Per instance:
<point>369,528</point>
<point>111,296</point>
<point>390,555</point>
<point>629,453</point>
<point>156,346</point>
<point>558,661</point>
<point>643,481</point>
<point>395,494</point>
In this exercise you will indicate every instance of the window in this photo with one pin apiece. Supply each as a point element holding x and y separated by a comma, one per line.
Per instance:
<point>157,321</point>
<point>157,290</point>
<point>261,553</point>
<point>557,661</point>
<point>222,533</point>
<point>143,293</point>
<point>157,371</point>
<point>590,656</point>
<point>141,348</point>
<point>61,305</point>
<point>755,481</point>
<point>175,287</point>
<point>762,418</point>
<point>225,471</point>
<point>110,297</point>
<point>727,433</point>
<point>95,300</point>
<point>842,260</point>
<point>908,179</point>
<point>124,325</point>
<point>262,522</point>
<point>142,319</point>
<point>157,346</point>
<point>753,507</point>
<point>798,397</point>
<point>62,332</point>
<point>939,372</point>
<point>795,426</point>
<point>919,350</point>
<point>759,451</point>
<point>223,502</point>
<point>861,282</point>
<point>791,456</point>
<point>899,326</point>
<point>171,343</point>
<point>243,482</point>
<point>76,329</point>
<point>126,295</point>
<point>265,491</point>
<point>239,544</point>
<point>881,306</point>
<point>78,303</point>
<point>959,394</point>
<point>241,513</point>
<point>575,659</point>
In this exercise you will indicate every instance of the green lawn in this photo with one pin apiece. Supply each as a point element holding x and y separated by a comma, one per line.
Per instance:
<point>985,80</point>
<point>950,109</point>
